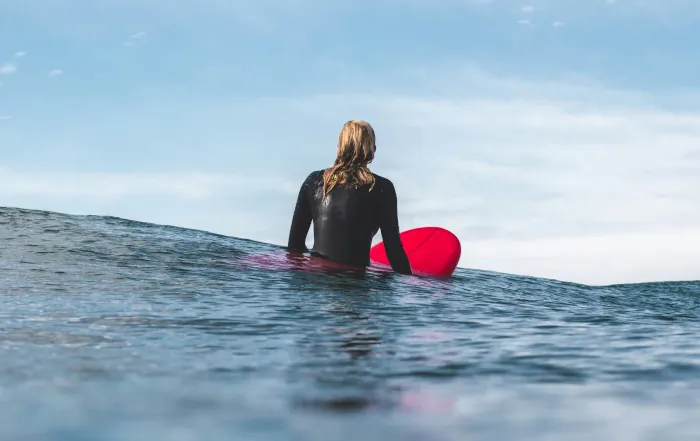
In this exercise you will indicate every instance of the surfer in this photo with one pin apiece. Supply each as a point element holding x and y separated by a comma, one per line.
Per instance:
<point>348,204</point>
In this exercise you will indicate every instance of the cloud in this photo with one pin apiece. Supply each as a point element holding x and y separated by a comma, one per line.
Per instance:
<point>525,22</point>
<point>128,185</point>
<point>528,8</point>
<point>133,39</point>
<point>8,68</point>
<point>5,117</point>
<point>55,73</point>
<point>20,54</point>
<point>275,15</point>
<point>607,258</point>
<point>589,192</point>
<point>226,203</point>
<point>557,24</point>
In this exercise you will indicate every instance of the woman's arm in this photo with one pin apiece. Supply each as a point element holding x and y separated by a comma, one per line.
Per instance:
<point>389,224</point>
<point>301,221</point>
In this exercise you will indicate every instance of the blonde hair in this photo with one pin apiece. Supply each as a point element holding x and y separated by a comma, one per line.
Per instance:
<point>356,145</point>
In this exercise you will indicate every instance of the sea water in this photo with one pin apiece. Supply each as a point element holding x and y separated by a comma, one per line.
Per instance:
<point>118,330</point>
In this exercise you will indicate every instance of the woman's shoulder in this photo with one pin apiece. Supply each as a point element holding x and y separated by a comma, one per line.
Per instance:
<point>382,183</point>
<point>379,179</point>
<point>313,179</point>
<point>315,175</point>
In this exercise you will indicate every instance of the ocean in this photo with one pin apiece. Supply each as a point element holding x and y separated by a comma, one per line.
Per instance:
<point>112,329</point>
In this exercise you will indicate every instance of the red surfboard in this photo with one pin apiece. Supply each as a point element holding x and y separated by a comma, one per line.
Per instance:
<point>431,251</point>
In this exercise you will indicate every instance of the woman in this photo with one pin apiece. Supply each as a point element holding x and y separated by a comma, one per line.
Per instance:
<point>348,205</point>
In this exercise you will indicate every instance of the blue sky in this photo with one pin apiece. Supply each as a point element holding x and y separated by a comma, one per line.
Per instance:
<point>555,138</point>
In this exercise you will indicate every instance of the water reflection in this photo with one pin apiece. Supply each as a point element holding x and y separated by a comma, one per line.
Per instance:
<point>337,362</point>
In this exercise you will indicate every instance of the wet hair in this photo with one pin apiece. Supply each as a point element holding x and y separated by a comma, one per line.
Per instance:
<point>356,146</point>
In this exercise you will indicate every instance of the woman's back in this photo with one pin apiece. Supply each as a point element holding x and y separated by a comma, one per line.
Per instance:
<point>348,204</point>
<point>346,220</point>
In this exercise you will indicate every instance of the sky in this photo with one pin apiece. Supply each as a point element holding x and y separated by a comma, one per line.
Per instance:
<point>556,139</point>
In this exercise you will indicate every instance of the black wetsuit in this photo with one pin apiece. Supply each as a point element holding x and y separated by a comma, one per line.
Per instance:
<point>347,220</point>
